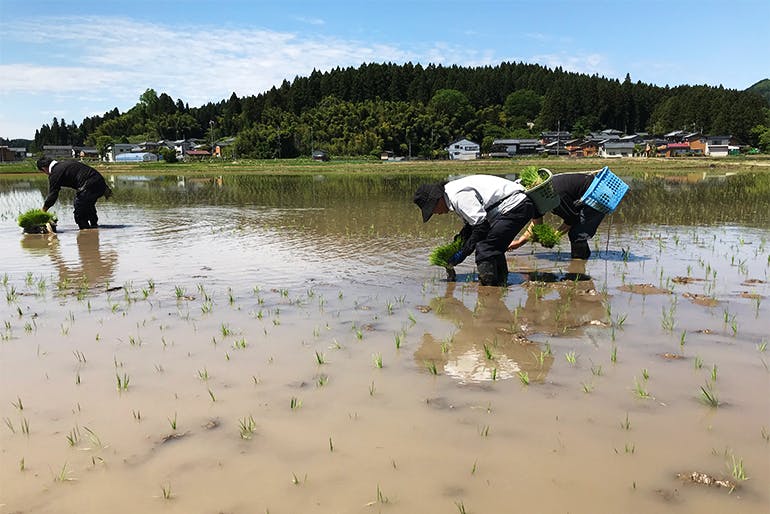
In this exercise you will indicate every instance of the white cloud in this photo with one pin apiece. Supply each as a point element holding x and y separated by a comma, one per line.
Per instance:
<point>577,63</point>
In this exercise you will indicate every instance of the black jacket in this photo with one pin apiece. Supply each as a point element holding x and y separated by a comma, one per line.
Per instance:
<point>570,187</point>
<point>73,174</point>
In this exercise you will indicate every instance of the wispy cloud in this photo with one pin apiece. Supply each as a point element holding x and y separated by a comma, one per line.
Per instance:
<point>187,62</point>
<point>591,63</point>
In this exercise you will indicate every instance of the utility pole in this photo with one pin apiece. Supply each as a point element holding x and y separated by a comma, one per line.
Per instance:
<point>211,128</point>
<point>558,136</point>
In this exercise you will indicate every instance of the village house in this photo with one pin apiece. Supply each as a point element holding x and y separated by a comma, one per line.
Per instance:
<point>57,151</point>
<point>463,150</point>
<point>616,149</point>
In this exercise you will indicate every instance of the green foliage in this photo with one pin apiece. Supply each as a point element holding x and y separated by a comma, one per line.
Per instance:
<point>414,110</point>
<point>441,254</point>
<point>168,155</point>
<point>546,235</point>
<point>34,218</point>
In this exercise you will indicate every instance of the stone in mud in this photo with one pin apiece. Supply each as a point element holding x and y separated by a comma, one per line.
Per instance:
<point>643,289</point>
<point>696,477</point>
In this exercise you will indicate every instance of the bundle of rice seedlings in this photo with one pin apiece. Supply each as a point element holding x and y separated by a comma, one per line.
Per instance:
<point>546,235</point>
<point>441,254</point>
<point>530,177</point>
<point>34,218</point>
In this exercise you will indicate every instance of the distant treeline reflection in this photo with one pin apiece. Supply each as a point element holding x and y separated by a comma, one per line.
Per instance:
<point>739,199</point>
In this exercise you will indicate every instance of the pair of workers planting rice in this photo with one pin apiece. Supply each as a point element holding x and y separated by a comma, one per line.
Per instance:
<point>495,210</point>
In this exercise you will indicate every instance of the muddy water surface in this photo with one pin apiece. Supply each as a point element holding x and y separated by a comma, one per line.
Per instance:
<point>280,344</point>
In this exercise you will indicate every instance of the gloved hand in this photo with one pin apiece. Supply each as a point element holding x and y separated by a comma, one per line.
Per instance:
<point>456,259</point>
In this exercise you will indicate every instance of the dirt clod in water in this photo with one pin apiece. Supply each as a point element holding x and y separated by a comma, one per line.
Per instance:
<point>700,299</point>
<point>705,479</point>
<point>686,280</point>
<point>423,308</point>
<point>643,289</point>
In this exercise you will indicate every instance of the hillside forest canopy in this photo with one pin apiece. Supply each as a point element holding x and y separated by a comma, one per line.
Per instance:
<point>414,110</point>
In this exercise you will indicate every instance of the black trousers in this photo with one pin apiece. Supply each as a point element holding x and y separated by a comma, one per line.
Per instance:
<point>490,251</point>
<point>85,204</point>
<point>583,230</point>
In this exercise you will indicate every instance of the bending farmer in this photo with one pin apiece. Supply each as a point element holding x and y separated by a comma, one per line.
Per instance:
<point>580,221</point>
<point>86,181</point>
<point>494,211</point>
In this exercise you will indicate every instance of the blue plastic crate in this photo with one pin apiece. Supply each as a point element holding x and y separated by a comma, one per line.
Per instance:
<point>605,192</point>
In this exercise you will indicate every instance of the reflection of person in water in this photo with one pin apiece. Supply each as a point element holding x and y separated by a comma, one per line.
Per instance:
<point>576,303</point>
<point>485,346</point>
<point>96,265</point>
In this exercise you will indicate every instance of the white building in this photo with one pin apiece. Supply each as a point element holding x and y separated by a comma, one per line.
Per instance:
<point>464,150</point>
<point>116,149</point>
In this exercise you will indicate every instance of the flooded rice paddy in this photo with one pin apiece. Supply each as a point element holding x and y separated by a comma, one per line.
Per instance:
<point>280,344</point>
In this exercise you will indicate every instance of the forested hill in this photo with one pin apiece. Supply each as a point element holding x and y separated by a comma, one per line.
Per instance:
<point>375,107</point>
<point>762,88</point>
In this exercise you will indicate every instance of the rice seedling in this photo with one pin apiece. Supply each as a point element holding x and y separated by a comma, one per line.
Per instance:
<point>545,234</point>
<point>319,357</point>
<point>571,357</point>
<point>172,422</point>
<point>247,426</point>
<point>524,377</point>
<point>63,475</point>
<point>122,382</point>
<point>372,389</point>
<point>493,374</point>
<point>614,354</point>
<point>203,374</point>
<point>460,507</point>
<point>596,370</point>
<point>640,390</point>
<point>240,344</point>
<point>626,424</point>
<point>22,465</point>
<point>381,498</point>
<point>224,328</point>
<point>211,395</point>
<point>431,366</point>
<point>295,403</point>
<point>331,445</point>
<point>645,374</point>
<point>35,218</point>
<point>708,396</point>
<point>698,363</point>
<point>588,387</point>
<point>441,255</point>
<point>73,438</point>
<point>9,424</point>
<point>530,177</point>
<point>18,404</point>
<point>137,415</point>
<point>484,432</point>
<point>738,472</point>
<point>714,373</point>
<point>377,357</point>
<point>397,338</point>
<point>765,434</point>
<point>488,352</point>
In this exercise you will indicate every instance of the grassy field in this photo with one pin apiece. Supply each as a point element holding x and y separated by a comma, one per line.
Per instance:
<point>628,166</point>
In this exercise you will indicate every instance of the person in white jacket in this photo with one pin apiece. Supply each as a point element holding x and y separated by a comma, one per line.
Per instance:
<point>494,210</point>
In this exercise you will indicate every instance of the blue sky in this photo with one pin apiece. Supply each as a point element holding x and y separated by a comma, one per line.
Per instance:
<point>73,59</point>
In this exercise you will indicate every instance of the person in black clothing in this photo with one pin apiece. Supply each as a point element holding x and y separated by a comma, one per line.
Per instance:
<point>88,183</point>
<point>580,221</point>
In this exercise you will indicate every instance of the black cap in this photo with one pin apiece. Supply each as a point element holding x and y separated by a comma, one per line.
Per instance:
<point>43,163</point>
<point>426,197</point>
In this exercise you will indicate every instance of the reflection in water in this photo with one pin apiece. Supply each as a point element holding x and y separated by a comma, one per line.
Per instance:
<point>485,347</point>
<point>94,266</point>
<point>561,302</point>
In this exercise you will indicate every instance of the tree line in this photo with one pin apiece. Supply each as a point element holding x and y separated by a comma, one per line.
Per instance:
<point>414,110</point>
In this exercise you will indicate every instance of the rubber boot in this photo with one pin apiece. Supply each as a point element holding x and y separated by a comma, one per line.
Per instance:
<point>488,273</point>
<point>580,249</point>
<point>502,270</point>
